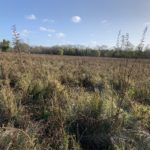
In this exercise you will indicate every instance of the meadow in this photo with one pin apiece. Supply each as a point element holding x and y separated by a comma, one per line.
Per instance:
<point>74,103</point>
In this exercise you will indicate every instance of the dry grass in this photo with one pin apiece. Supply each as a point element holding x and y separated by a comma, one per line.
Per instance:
<point>65,103</point>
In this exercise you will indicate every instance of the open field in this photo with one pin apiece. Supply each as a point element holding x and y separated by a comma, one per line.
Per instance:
<point>74,103</point>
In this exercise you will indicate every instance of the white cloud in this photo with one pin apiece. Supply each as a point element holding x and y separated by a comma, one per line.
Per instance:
<point>48,20</point>
<point>31,17</point>
<point>47,29</point>
<point>60,35</point>
<point>25,32</point>
<point>49,35</point>
<point>76,19</point>
<point>52,32</point>
<point>104,21</point>
<point>43,29</point>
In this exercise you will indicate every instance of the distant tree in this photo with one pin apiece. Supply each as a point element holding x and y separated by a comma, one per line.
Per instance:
<point>147,53</point>
<point>141,45</point>
<point>60,51</point>
<point>24,47</point>
<point>16,39</point>
<point>95,53</point>
<point>118,40</point>
<point>103,47</point>
<point>4,45</point>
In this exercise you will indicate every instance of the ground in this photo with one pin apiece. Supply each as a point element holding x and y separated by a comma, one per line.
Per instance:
<point>65,102</point>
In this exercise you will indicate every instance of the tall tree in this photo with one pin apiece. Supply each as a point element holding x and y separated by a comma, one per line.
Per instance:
<point>16,39</point>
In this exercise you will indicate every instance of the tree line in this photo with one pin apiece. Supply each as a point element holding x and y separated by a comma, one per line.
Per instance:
<point>76,51</point>
<point>123,48</point>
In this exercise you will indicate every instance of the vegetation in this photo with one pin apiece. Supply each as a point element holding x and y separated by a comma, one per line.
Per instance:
<point>79,51</point>
<point>76,51</point>
<point>74,103</point>
<point>123,49</point>
<point>4,45</point>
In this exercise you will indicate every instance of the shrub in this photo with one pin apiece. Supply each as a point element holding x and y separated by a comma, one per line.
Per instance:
<point>4,45</point>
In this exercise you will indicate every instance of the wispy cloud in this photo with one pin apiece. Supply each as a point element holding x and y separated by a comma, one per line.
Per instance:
<point>49,35</point>
<point>25,32</point>
<point>104,21</point>
<point>47,29</point>
<point>60,35</point>
<point>52,32</point>
<point>76,19</point>
<point>31,17</point>
<point>43,29</point>
<point>48,20</point>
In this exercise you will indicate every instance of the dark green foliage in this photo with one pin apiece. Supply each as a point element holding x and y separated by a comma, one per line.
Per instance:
<point>94,134</point>
<point>73,51</point>
<point>4,45</point>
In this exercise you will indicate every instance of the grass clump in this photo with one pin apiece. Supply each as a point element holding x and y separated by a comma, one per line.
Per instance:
<point>8,105</point>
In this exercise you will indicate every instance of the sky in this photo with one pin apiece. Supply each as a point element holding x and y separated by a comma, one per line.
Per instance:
<point>84,22</point>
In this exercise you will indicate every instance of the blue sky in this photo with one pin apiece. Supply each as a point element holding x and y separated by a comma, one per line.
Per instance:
<point>86,22</point>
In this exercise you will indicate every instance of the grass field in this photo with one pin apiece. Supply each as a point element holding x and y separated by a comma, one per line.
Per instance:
<point>74,103</point>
